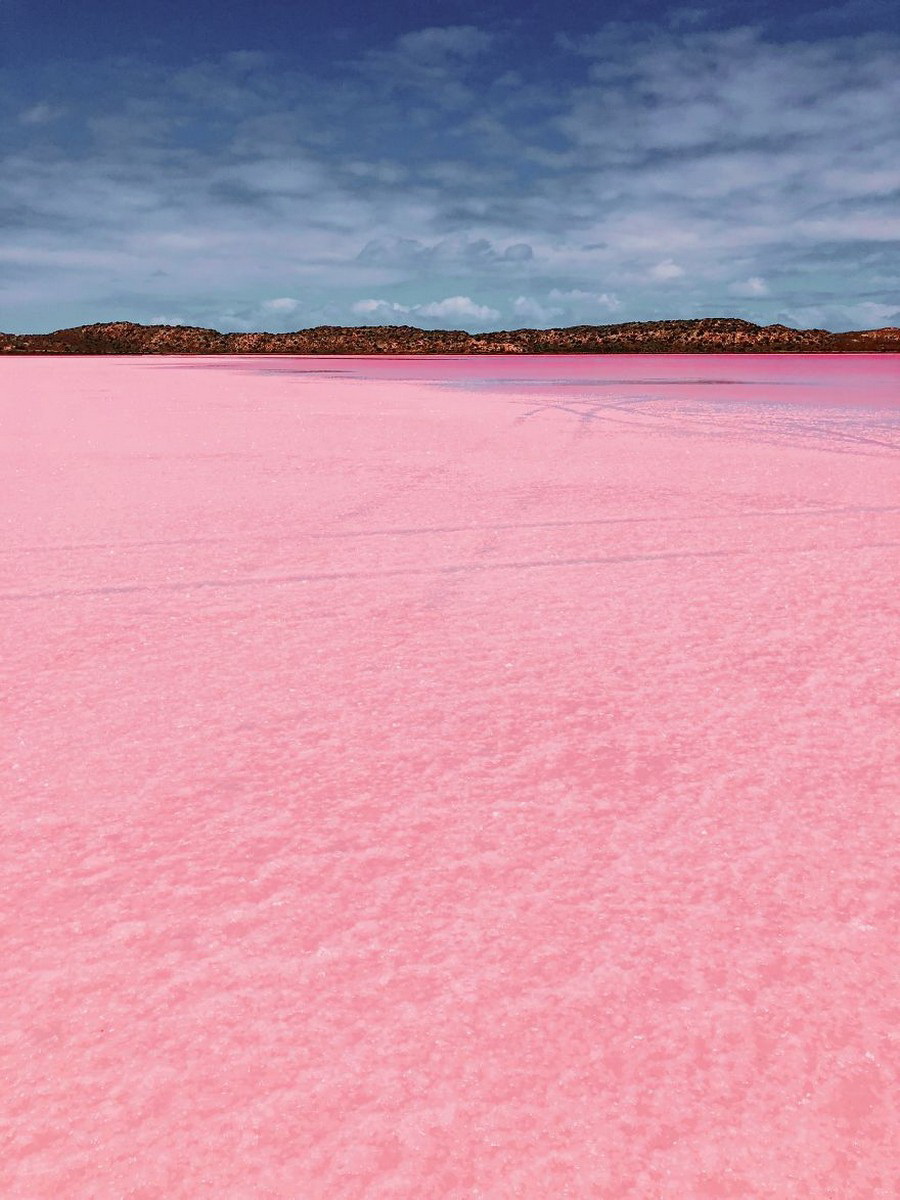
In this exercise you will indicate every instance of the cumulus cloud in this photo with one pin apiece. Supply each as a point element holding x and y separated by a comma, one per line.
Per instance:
<point>578,298</point>
<point>666,270</point>
<point>530,309</point>
<point>451,308</point>
<point>866,314</point>
<point>754,286</point>
<point>281,304</point>
<point>380,308</point>
<point>458,307</point>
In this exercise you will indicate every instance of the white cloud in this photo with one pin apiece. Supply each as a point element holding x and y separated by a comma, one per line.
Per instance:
<point>369,308</point>
<point>165,319</point>
<point>872,311</point>
<point>864,315</point>
<point>451,308</point>
<point>754,286</point>
<point>531,310</point>
<point>458,306</point>
<point>281,304</point>
<point>666,270</point>
<point>577,297</point>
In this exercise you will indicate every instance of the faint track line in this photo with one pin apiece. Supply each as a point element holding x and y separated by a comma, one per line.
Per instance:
<point>786,430</point>
<point>416,530</point>
<point>469,568</point>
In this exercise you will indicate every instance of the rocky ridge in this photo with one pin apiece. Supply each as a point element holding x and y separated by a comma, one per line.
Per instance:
<point>707,335</point>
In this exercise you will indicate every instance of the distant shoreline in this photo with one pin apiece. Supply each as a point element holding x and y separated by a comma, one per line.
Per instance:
<point>705,335</point>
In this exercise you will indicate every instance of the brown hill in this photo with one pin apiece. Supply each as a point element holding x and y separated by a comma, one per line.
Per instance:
<point>707,335</point>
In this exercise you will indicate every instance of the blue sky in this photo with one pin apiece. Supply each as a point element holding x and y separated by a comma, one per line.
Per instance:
<point>283,164</point>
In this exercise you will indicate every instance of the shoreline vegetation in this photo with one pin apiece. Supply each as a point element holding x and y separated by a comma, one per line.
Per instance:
<point>707,335</point>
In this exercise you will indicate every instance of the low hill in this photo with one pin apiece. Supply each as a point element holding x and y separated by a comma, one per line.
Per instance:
<point>708,335</point>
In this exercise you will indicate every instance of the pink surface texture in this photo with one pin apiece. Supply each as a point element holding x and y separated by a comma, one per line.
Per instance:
<point>438,778</point>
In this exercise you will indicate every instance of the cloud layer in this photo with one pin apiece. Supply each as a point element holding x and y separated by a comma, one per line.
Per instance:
<point>648,172</point>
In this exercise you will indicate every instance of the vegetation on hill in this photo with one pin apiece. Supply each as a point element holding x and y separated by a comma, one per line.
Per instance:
<point>706,335</point>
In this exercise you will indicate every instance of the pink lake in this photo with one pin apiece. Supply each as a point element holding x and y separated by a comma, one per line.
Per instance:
<point>450,778</point>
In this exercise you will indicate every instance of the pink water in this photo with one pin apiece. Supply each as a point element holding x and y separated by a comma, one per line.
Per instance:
<point>450,778</point>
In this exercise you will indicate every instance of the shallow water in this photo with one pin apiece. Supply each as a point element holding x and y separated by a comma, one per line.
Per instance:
<point>450,777</point>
